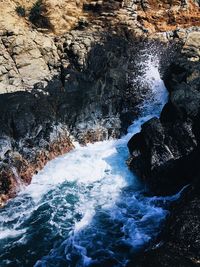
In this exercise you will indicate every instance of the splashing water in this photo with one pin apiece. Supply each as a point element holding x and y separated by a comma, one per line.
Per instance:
<point>85,208</point>
<point>149,79</point>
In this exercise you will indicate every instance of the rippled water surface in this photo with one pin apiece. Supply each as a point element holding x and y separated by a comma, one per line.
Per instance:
<point>85,208</point>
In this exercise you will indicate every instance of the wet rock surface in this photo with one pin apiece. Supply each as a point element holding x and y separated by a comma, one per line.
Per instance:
<point>30,137</point>
<point>167,155</point>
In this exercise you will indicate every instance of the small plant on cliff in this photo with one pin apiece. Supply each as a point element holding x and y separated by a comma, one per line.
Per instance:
<point>20,11</point>
<point>82,24</point>
<point>37,15</point>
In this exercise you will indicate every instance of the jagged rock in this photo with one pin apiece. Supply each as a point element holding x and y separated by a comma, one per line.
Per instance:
<point>30,56</point>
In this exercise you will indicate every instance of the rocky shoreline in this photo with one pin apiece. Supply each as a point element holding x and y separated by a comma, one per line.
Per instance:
<point>95,102</point>
<point>75,82</point>
<point>93,98</point>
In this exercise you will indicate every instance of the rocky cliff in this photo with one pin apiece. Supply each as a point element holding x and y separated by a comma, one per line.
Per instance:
<point>33,39</point>
<point>67,72</point>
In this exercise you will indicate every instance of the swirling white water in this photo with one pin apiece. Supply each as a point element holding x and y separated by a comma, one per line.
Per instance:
<point>86,208</point>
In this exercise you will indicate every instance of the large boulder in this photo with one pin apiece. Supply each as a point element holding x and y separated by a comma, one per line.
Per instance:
<point>164,155</point>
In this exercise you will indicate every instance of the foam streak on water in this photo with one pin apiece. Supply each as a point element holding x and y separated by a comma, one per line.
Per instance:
<point>85,208</point>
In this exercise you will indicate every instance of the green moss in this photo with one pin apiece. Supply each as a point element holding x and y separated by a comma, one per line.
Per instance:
<point>37,16</point>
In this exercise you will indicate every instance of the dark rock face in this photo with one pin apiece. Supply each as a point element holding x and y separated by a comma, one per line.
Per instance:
<point>30,136</point>
<point>98,87</point>
<point>166,155</point>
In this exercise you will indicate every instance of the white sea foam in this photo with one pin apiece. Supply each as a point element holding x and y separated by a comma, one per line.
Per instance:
<point>6,233</point>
